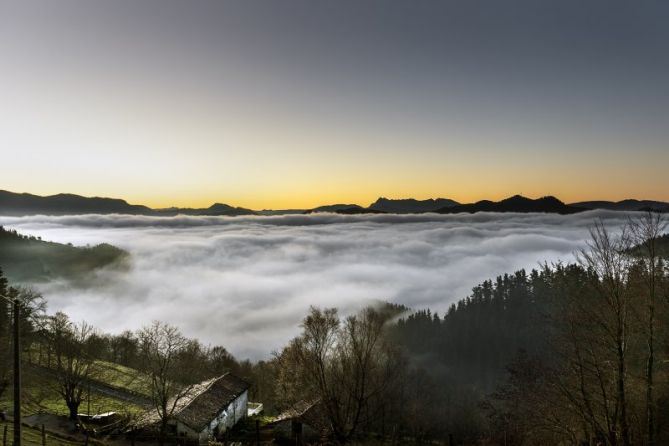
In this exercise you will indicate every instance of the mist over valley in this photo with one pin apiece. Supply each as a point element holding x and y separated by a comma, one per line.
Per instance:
<point>247,281</point>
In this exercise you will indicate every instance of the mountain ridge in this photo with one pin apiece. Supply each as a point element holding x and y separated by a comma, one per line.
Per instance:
<point>12,203</point>
<point>629,204</point>
<point>21,204</point>
<point>516,203</point>
<point>411,205</point>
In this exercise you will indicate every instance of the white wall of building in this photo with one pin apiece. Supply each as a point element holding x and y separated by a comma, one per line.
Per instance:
<point>228,417</point>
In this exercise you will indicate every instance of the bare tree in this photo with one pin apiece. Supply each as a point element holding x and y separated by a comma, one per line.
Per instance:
<point>73,363</point>
<point>161,348</point>
<point>600,383</point>
<point>5,340</point>
<point>347,366</point>
<point>586,380</point>
<point>607,256</point>
<point>32,305</point>
<point>644,234</point>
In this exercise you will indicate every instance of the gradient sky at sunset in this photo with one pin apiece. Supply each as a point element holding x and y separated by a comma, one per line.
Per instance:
<point>296,103</point>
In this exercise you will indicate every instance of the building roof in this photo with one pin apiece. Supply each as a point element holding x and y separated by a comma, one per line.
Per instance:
<point>202,403</point>
<point>296,410</point>
<point>310,412</point>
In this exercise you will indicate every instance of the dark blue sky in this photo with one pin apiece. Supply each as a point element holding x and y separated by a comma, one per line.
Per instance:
<point>292,102</point>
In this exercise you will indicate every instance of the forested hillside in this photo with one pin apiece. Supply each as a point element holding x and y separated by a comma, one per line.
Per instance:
<point>471,344</point>
<point>568,353</point>
<point>663,246</point>
<point>30,259</point>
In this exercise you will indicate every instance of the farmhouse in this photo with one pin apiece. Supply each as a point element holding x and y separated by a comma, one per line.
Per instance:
<point>206,412</point>
<point>304,422</point>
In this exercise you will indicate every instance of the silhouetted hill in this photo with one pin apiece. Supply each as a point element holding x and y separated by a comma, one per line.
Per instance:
<point>517,203</point>
<point>348,209</point>
<point>29,259</point>
<point>282,211</point>
<point>411,205</point>
<point>359,210</point>
<point>624,205</point>
<point>215,209</point>
<point>62,204</point>
<point>16,204</point>
<point>225,209</point>
<point>334,208</point>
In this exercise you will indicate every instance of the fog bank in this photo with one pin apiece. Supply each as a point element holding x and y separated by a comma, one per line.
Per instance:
<point>246,282</point>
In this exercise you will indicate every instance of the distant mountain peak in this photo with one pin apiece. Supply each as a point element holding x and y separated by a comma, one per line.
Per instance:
<point>629,204</point>
<point>515,203</point>
<point>220,206</point>
<point>515,198</point>
<point>410,205</point>
<point>17,204</point>
<point>524,199</point>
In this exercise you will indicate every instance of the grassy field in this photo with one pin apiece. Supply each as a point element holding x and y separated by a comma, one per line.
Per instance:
<point>31,436</point>
<point>122,377</point>
<point>108,373</point>
<point>40,395</point>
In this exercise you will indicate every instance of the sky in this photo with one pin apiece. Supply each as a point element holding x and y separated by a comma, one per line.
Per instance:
<point>246,282</point>
<point>299,103</point>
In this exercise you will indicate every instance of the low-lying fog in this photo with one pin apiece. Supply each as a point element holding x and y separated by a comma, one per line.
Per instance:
<point>246,282</point>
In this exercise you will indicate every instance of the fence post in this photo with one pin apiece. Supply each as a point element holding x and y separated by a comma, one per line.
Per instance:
<point>4,436</point>
<point>43,436</point>
<point>257,432</point>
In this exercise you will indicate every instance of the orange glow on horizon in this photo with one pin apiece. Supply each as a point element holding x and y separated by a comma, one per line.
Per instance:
<point>260,200</point>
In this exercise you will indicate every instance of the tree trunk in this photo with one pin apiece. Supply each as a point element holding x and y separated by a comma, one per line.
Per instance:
<point>73,406</point>
<point>622,398</point>
<point>649,380</point>
<point>163,431</point>
<point>650,363</point>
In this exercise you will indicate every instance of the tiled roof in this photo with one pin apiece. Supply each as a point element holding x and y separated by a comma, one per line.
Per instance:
<point>203,402</point>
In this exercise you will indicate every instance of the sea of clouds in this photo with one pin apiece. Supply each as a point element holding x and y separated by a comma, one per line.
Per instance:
<point>246,282</point>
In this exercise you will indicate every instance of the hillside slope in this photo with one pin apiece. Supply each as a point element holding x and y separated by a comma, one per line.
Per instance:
<point>29,259</point>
